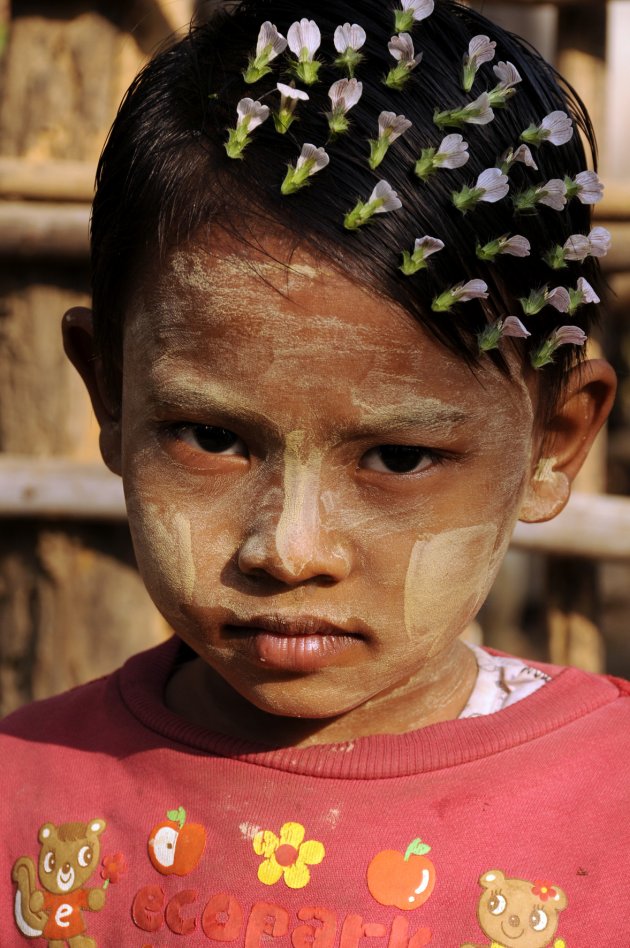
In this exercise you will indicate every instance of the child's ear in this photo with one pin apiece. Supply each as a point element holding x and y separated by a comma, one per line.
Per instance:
<point>567,439</point>
<point>78,342</point>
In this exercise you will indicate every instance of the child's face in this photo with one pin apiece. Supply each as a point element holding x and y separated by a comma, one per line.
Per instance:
<point>260,405</point>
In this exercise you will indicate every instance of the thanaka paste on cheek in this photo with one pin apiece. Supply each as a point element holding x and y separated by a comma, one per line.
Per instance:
<point>164,548</point>
<point>456,560</point>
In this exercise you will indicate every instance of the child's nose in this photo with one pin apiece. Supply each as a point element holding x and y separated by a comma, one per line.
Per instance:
<point>296,540</point>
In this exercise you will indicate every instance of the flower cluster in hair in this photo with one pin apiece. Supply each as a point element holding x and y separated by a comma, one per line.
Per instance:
<point>451,151</point>
<point>165,170</point>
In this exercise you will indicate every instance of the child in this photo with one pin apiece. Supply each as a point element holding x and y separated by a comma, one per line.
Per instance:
<point>343,274</point>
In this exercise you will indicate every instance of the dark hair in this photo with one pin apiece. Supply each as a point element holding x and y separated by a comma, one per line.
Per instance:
<point>164,174</point>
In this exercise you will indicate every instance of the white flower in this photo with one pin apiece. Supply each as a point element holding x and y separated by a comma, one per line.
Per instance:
<point>428,245</point>
<point>479,111</point>
<point>349,36</point>
<point>289,92</point>
<point>579,247</point>
<point>524,154</point>
<point>559,299</point>
<point>392,126</point>
<point>557,128</point>
<point>512,326</point>
<point>304,39</point>
<point>382,200</point>
<point>516,246</point>
<point>494,184</point>
<point>420,9</point>
<point>562,336</point>
<point>386,197</point>
<point>569,335</point>
<point>311,160</point>
<point>553,194</point>
<point>589,188</point>
<point>315,158</point>
<point>507,74</point>
<point>462,293</point>
<point>452,152</point>
<point>344,94</point>
<point>423,248</point>
<point>401,48</point>
<point>270,42</point>
<point>251,114</point>
<point>481,50</point>
<point>588,293</point>
<point>473,290</point>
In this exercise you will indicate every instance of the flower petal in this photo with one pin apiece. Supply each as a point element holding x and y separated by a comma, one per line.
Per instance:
<point>481,49</point>
<point>421,9</point>
<point>304,34</point>
<point>401,48</point>
<point>507,74</point>
<point>385,193</point>
<point>569,335</point>
<point>452,152</point>
<point>494,184</point>
<point>590,188</point>
<point>588,293</point>
<point>473,289</point>
<point>311,852</point>
<point>516,246</point>
<point>559,298</point>
<point>269,871</point>
<point>265,843</point>
<point>269,36</point>
<point>291,834</point>
<point>297,876</point>
<point>512,326</point>
<point>319,157</point>
<point>557,128</point>
<point>349,36</point>
<point>428,245</point>
<point>553,194</point>
<point>599,241</point>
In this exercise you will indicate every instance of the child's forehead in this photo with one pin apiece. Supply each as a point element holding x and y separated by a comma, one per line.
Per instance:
<point>286,311</point>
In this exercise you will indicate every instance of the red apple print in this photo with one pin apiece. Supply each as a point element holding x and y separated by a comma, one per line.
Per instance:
<point>175,846</point>
<point>405,880</point>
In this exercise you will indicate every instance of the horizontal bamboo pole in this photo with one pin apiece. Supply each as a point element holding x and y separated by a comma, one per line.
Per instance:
<point>592,526</point>
<point>47,180</point>
<point>29,229</point>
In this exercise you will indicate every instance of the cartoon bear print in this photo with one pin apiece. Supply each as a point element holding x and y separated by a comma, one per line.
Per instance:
<point>513,912</point>
<point>68,856</point>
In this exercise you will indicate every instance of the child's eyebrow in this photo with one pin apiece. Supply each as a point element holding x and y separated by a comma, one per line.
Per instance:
<point>425,415</point>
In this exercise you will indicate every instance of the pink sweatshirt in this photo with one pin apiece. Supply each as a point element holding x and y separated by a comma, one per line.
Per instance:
<point>511,829</point>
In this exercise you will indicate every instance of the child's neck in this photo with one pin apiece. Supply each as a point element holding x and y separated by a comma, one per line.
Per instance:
<point>437,692</point>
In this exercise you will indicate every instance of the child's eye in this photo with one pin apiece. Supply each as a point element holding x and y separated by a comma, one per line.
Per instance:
<point>399,459</point>
<point>210,439</point>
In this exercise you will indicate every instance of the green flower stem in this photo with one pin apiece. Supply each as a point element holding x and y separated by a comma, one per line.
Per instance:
<point>338,123</point>
<point>467,199</point>
<point>555,258</point>
<point>526,200</point>
<point>490,337</point>
<point>237,142</point>
<point>533,304</point>
<point>398,77</point>
<point>468,76</point>
<point>296,178</point>
<point>413,262</point>
<point>283,120</point>
<point>443,303</point>
<point>573,189</point>
<point>454,118</point>
<point>378,149</point>
<point>349,61</point>
<point>361,214</point>
<point>489,251</point>
<point>499,96</point>
<point>403,21</point>
<point>576,298</point>
<point>425,165</point>
<point>532,136</point>
<point>544,355</point>
<point>306,70</point>
<point>258,66</point>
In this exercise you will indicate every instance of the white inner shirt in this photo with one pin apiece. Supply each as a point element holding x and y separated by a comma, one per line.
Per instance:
<point>500,683</point>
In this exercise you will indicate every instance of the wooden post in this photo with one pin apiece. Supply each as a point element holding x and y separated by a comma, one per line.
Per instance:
<point>71,603</point>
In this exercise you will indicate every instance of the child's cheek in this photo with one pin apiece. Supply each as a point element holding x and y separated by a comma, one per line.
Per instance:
<point>448,577</point>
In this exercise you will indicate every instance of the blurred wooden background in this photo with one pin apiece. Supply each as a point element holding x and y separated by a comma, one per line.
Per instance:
<point>71,604</point>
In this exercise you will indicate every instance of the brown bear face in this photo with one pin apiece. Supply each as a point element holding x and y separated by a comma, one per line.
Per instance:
<point>513,912</point>
<point>69,854</point>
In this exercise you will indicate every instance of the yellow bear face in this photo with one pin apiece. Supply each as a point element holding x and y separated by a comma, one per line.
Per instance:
<point>519,913</point>
<point>68,855</point>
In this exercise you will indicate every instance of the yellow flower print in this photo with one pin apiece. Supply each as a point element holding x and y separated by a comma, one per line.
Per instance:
<point>287,856</point>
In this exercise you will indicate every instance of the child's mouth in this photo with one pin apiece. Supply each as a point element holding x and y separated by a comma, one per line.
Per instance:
<point>300,644</point>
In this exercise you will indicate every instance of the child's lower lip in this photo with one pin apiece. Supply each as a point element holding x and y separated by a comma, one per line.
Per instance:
<point>296,653</point>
